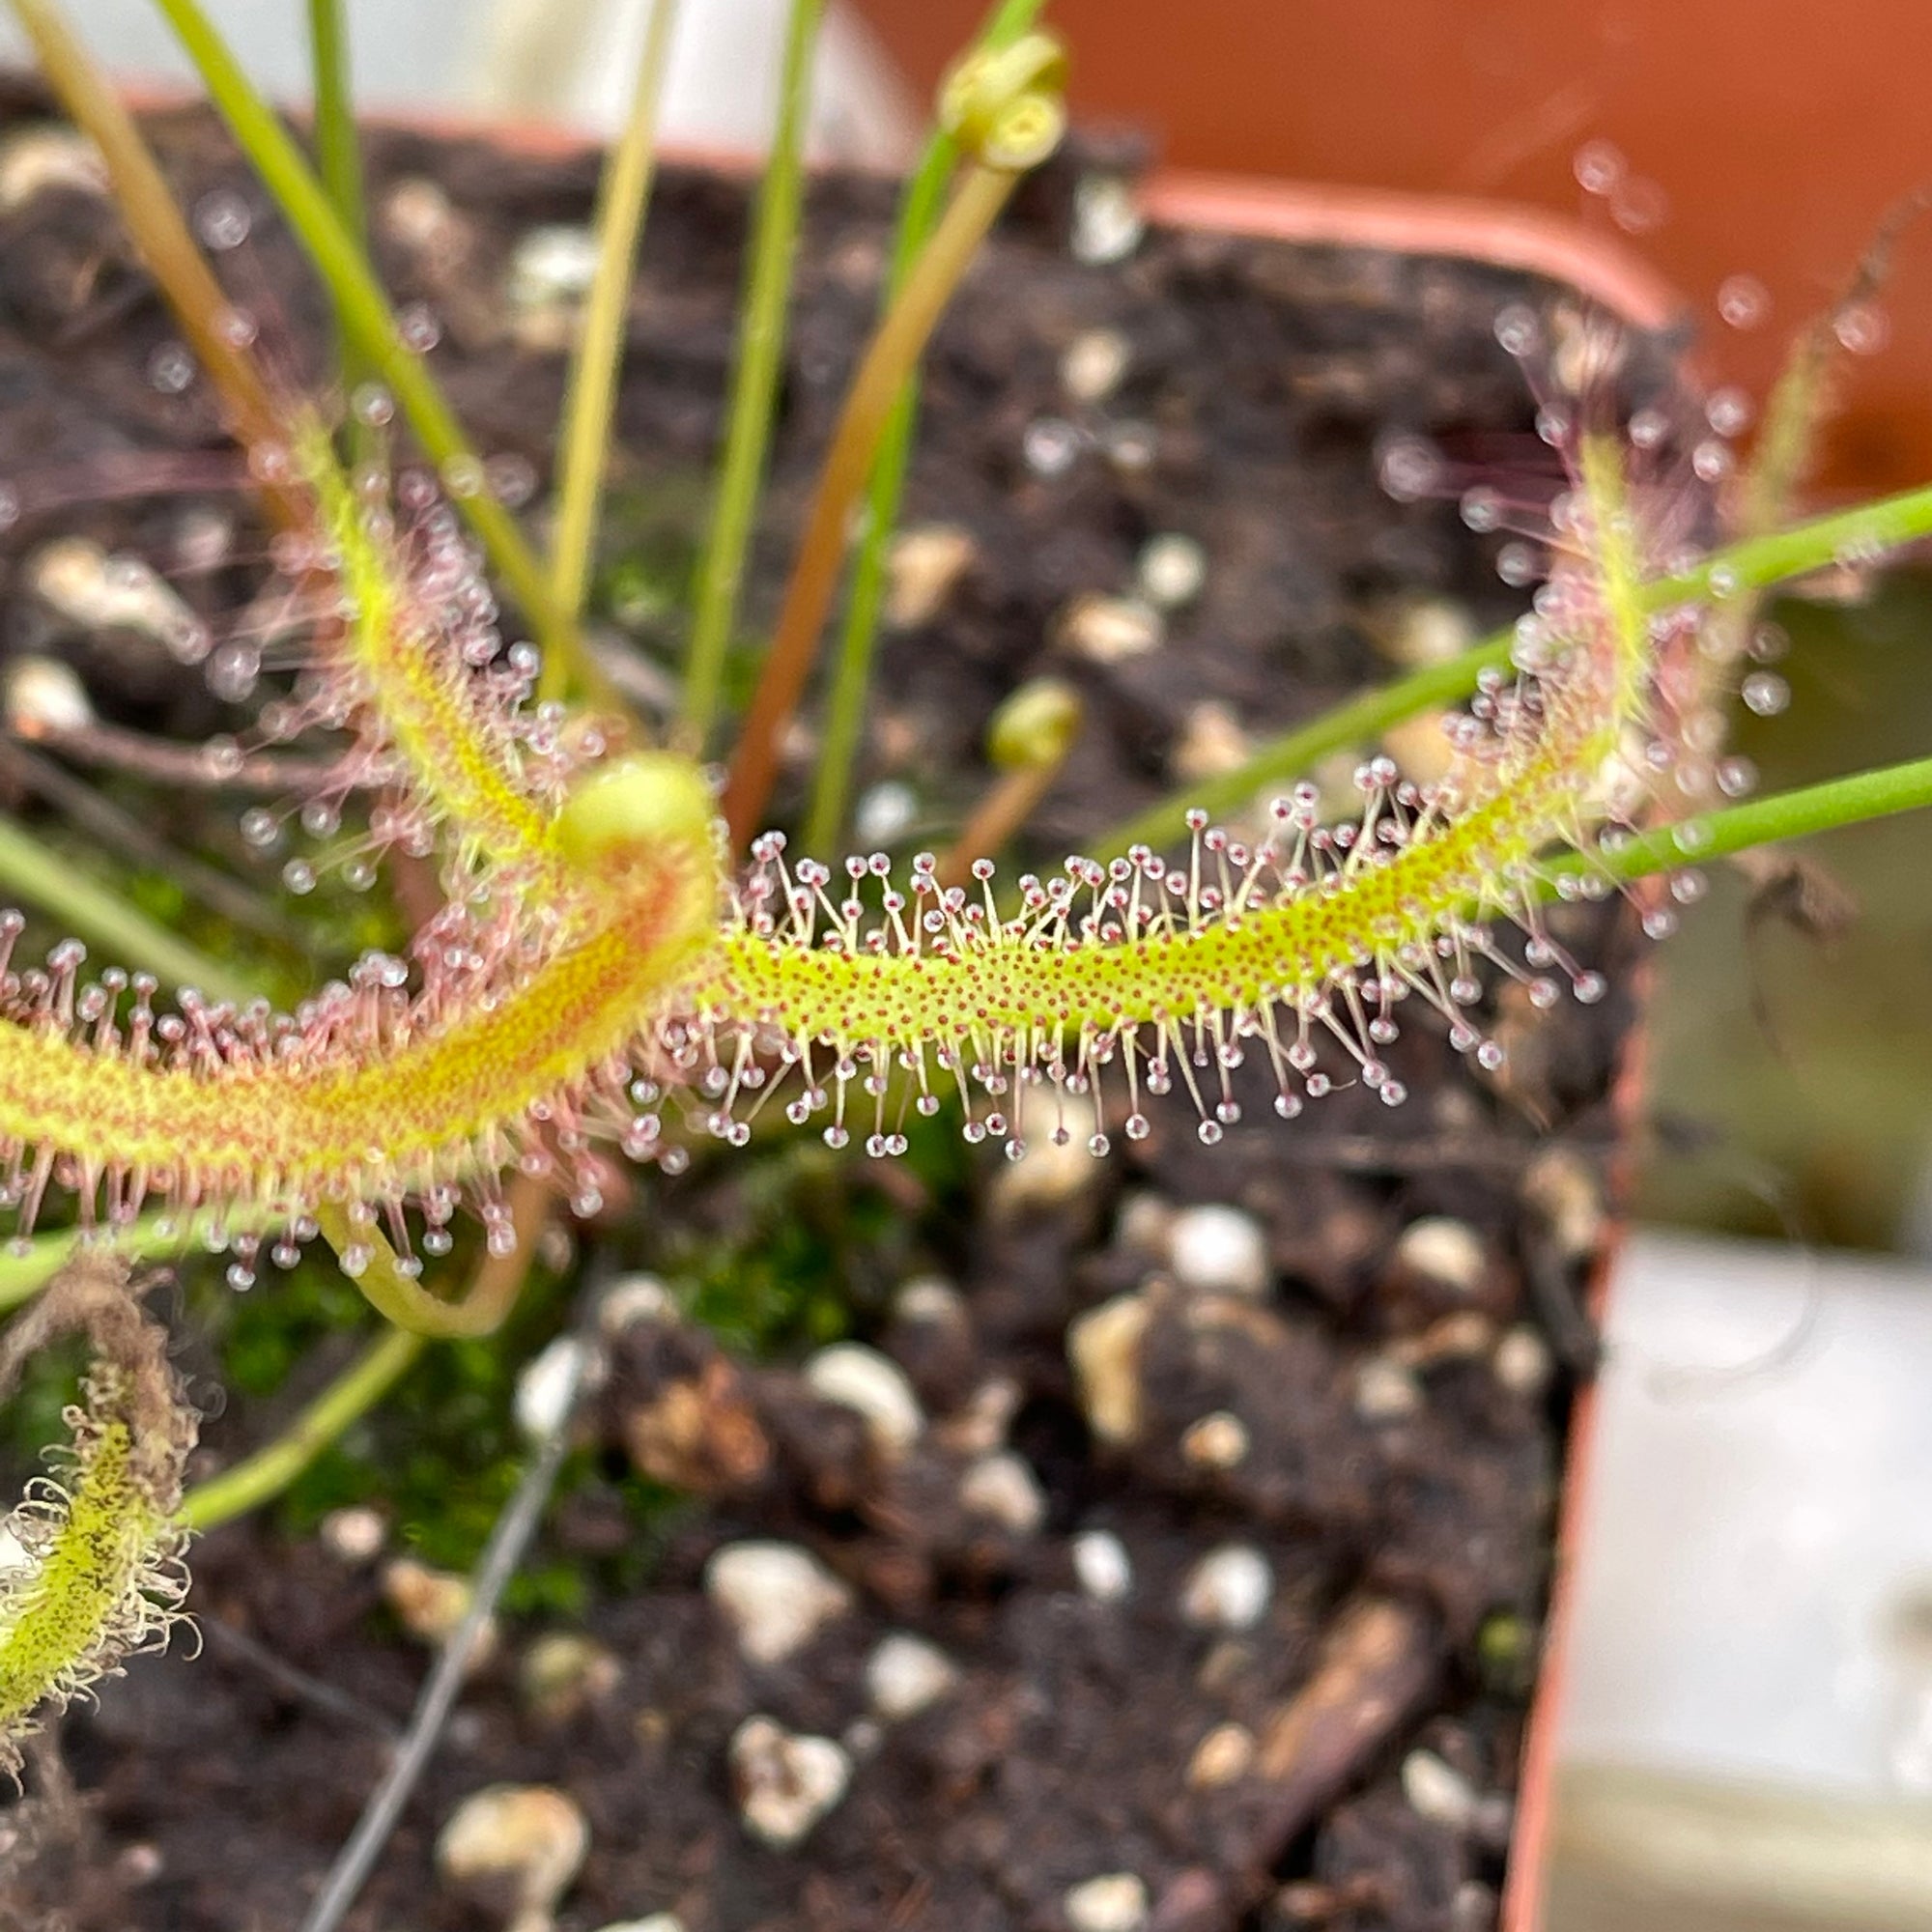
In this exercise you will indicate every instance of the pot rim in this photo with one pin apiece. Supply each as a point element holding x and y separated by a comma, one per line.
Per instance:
<point>1505,233</point>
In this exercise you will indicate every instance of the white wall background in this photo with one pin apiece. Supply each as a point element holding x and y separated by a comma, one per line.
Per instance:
<point>540,59</point>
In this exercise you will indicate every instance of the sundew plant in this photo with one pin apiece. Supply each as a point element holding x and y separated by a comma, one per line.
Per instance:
<point>624,962</point>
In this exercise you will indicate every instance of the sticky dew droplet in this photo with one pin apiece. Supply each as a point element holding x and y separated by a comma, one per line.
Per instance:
<point>1713,460</point>
<point>1409,468</point>
<point>170,369</point>
<point>261,829</point>
<point>1599,166</point>
<point>372,403</point>
<point>418,327</point>
<point>1481,509</point>
<point>1743,301</point>
<point>1863,328</point>
<point>1639,205</point>
<point>511,479</point>
<point>1049,447</point>
<point>1729,411</point>
<point>1517,330</point>
<point>222,220</point>
<point>464,477</point>
<point>1519,564</point>
<point>236,327</point>
<point>1649,427</point>
<point>221,757</point>
<point>1735,777</point>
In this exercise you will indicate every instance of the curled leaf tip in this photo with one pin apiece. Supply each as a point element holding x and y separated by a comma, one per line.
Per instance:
<point>92,1554</point>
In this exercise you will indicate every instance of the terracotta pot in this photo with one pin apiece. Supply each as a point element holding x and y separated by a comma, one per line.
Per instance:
<point>1764,141</point>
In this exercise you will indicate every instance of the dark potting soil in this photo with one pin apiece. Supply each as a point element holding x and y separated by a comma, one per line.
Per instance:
<point>1237,1633</point>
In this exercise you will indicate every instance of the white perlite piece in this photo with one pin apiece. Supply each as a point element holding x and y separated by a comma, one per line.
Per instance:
<point>927,1297</point>
<point>861,1379</point>
<point>1444,1250</point>
<point>1171,570</point>
<point>1146,1222</point>
<point>553,264</point>
<point>1093,364</point>
<point>1108,629</point>
<point>1230,1588</point>
<point>980,1424</point>
<point>1209,743</point>
<point>884,813</point>
<point>636,1301</point>
<point>1104,1346</point>
<point>1437,1790</point>
<point>99,592</point>
<point>1568,1193</point>
<point>1048,1175</point>
<point>44,696</point>
<point>1102,1565</point>
<point>528,1837</point>
<point>1522,1362</point>
<point>429,1604</point>
<point>1385,1391</point>
<point>1425,631</point>
<point>1107,220</point>
<point>1224,1755</point>
<point>353,1534</point>
<point>1218,1250</point>
<point>906,1674</point>
<point>562,1671</point>
<point>1002,1488</point>
<point>786,1782</point>
<point>658,1921</point>
<point>549,1387</point>
<point>1216,1441</point>
<point>923,564</point>
<point>42,157</point>
<point>776,1597</point>
<point>1115,1902</point>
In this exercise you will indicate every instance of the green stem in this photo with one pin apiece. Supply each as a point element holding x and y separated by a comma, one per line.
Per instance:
<point>894,348</point>
<point>338,158</point>
<point>1859,535</point>
<point>1293,754</point>
<point>493,1288</point>
<point>761,338</point>
<point>1763,821</point>
<point>102,919</point>
<point>364,315</point>
<point>267,1473</point>
<point>621,197</point>
<point>154,1236</point>
<point>1755,564</point>
<point>406,1302</point>
<point>845,707</point>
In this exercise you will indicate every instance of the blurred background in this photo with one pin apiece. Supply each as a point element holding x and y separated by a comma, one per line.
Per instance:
<point>1750,1738</point>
